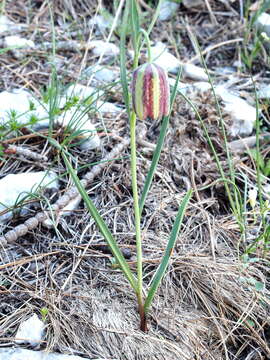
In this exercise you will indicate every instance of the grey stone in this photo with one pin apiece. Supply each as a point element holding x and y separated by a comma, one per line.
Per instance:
<point>167,10</point>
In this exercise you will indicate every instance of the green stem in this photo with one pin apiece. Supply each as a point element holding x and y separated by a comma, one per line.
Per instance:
<point>137,50</point>
<point>146,37</point>
<point>136,205</point>
<point>154,162</point>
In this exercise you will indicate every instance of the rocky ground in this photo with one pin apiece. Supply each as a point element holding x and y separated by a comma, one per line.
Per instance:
<point>60,291</point>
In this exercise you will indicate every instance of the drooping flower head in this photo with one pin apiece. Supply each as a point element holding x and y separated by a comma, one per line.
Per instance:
<point>150,92</point>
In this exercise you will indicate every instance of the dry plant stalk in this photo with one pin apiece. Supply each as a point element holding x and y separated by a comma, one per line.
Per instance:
<point>32,223</point>
<point>22,151</point>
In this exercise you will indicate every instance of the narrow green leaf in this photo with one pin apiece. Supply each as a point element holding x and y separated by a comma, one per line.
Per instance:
<point>135,22</point>
<point>123,72</point>
<point>159,147</point>
<point>170,246</point>
<point>102,225</point>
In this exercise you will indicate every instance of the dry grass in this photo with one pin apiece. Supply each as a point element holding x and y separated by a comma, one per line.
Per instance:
<point>208,306</point>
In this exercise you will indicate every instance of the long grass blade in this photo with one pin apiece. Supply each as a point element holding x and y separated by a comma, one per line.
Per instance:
<point>102,225</point>
<point>159,147</point>
<point>135,22</point>
<point>123,72</point>
<point>169,249</point>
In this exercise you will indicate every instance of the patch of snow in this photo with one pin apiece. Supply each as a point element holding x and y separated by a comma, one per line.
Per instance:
<point>167,10</point>
<point>30,331</point>
<point>15,187</point>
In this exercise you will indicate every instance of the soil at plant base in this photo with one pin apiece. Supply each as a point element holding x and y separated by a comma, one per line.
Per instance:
<point>210,304</point>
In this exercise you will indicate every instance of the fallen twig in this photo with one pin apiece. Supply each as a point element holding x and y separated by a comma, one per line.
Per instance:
<point>19,150</point>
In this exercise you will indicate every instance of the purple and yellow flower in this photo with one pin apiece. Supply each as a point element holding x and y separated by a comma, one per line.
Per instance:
<point>150,92</point>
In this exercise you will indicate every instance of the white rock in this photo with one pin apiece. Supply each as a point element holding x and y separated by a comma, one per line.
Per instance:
<point>226,70</point>
<point>263,23</point>
<point>15,187</point>
<point>83,92</point>
<point>24,354</point>
<point>243,114</point>
<point>100,47</point>
<point>163,58</point>
<point>186,88</point>
<point>102,74</point>
<point>194,72</point>
<point>30,331</point>
<point>101,23</point>
<point>107,107</point>
<point>5,23</point>
<point>19,101</point>
<point>264,92</point>
<point>193,3</point>
<point>67,210</point>
<point>18,42</point>
<point>76,119</point>
<point>202,86</point>
<point>167,10</point>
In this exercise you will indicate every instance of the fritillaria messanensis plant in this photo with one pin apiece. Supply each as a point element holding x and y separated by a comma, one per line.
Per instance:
<point>151,98</point>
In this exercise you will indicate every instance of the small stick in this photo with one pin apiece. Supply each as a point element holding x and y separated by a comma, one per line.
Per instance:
<point>212,16</point>
<point>19,150</point>
<point>32,223</point>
